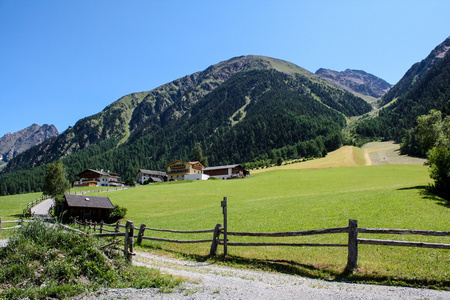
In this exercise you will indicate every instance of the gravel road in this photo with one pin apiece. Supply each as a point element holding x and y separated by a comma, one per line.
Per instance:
<point>42,208</point>
<point>210,281</point>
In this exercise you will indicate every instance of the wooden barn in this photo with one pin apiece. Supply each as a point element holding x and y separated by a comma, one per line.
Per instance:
<point>88,207</point>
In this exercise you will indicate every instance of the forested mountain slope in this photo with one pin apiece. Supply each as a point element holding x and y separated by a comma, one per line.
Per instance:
<point>416,73</point>
<point>432,91</point>
<point>240,110</point>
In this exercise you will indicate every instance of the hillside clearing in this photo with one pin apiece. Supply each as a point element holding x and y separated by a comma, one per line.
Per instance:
<point>376,153</point>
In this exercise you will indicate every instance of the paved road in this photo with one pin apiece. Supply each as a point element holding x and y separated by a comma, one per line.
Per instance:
<point>42,208</point>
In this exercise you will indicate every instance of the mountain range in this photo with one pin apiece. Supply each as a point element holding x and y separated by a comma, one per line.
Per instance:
<point>249,109</point>
<point>11,144</point>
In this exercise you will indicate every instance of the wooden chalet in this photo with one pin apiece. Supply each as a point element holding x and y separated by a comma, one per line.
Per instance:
<point>92,177</point>
<point>88,207</point>
<point>178,169</point>
<point>226,172</point>
<point>149,176</point>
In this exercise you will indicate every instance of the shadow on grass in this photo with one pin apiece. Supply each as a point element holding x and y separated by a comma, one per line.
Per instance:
<point>328,273</point>
<point>18,216</point>
<point>427,192</point>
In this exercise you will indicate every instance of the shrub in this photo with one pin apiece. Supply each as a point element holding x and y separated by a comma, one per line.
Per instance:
<point>45,261</point>
<point>116,214</point>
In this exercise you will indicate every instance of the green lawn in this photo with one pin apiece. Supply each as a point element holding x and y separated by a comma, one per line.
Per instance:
<point>11,207</point>
<point>388,196</point>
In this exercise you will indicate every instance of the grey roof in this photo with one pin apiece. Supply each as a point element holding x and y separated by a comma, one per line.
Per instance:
<point>156,179</point>
<point>88,201</point>
<point>150,172</point>
<point>221,167</point>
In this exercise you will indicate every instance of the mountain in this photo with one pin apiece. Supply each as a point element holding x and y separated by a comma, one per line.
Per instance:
<point>356,81</point>
<point>429,90</point>
<point>416,72</point>
<point>248,108</point>
<point>11,144</point>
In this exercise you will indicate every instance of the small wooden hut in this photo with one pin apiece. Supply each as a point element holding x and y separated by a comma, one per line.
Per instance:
<point>88,207</point>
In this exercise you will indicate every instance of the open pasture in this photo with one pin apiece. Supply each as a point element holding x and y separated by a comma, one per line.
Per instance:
<point>386,196</point>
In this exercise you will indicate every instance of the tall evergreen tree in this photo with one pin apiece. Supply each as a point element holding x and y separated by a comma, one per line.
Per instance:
<point>56,182</point>
<point>197,155</point>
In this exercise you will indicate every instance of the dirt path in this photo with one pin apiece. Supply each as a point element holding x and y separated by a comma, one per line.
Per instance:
<point>210,281</point>
<point>383,153</point>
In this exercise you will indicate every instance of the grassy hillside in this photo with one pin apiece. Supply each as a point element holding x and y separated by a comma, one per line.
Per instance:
<point>387,196</point>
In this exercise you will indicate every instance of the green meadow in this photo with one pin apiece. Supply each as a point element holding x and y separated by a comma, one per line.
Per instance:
<point>387,196</point>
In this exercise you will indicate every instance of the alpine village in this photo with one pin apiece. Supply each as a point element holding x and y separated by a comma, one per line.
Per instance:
<point>254,163</point>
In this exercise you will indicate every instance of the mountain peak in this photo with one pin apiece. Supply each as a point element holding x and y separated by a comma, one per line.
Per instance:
<point>12,144</point>
<point>356,81</point>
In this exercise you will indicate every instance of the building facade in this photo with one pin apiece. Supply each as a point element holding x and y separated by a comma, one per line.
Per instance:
<point>178,169</point>
<point>91,177</point>
<point>226,172</point>
<point>147,176</point>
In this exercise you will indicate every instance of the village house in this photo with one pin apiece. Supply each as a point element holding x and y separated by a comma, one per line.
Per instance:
<point>181,170</point>
<point>91,177</point>
<point>149,176</point>
<point>88,207</point>
<point>226,172</point>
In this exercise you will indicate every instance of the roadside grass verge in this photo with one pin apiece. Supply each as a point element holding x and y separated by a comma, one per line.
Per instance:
<point>386,196</point>
<point>44,261</point>
<point>11,207</point>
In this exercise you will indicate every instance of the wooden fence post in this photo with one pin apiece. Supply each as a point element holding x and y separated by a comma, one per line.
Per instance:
<point>117,226</point>
<point>101,226</point>
<point>215,241</point>
<point>128,242</point>
<point>140,234</point>
<point>0,225</point>
<point>225,227</point>
<point>352,261</point>
<point>20,221</point>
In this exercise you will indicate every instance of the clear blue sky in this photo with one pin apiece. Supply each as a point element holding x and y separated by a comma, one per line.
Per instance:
<point>61,61</point>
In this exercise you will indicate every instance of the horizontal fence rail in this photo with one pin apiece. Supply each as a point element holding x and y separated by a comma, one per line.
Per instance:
<point>292,233</point>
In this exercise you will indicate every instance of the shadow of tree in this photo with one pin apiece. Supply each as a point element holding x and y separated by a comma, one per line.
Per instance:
<point>427,192</point>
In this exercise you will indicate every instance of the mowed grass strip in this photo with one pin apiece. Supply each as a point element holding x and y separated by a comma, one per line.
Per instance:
<point>387,196</point>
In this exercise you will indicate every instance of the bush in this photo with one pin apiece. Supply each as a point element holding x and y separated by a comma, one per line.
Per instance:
<point>45,261</point>
<point>116,214</point>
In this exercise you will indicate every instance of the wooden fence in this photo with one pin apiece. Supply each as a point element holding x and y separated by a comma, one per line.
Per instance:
<point>19,222</point>
<point>109,189</point>
<point>33,203</point>
<point>352,231</point>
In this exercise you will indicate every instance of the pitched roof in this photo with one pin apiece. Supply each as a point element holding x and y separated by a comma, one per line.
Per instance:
<point>221,167</point>
<point>156,179</point>
<point>98,172</point>
<point>150,172</point>
<point>88,201</point>
<point>183,162</point>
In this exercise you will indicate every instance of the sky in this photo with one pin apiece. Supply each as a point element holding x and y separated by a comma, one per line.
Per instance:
<point>61,61</point>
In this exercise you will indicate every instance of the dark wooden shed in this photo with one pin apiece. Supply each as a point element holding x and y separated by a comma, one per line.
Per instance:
<point>88,207</point>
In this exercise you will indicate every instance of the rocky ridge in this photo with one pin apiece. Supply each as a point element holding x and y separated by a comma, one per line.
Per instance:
<point>356,81</point>
<point>12,144</point>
